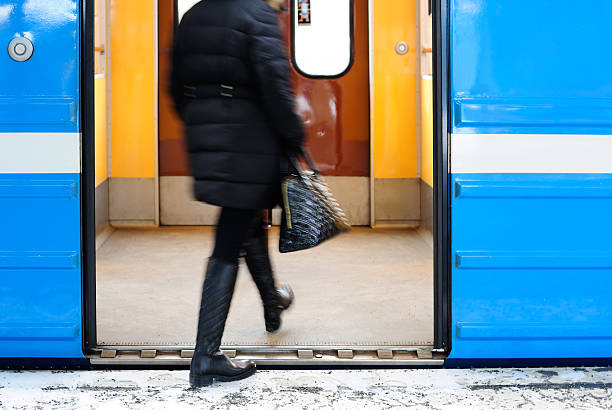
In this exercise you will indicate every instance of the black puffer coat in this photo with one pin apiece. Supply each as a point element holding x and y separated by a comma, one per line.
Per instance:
<point>230,83</point>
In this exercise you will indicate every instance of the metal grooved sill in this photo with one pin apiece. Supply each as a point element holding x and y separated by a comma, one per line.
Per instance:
<point>151,356</point>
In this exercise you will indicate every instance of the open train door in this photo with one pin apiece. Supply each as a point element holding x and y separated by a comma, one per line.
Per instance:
<point>367,159</point>
<point>531,180</point>
<point>40,180</point>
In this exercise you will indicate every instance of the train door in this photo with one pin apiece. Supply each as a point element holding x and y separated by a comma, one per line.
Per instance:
<point>40,180</point>
<point>364,297</point>
<point>531,180</point>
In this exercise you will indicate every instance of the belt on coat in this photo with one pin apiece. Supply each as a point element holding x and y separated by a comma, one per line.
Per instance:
<point>217,90</point>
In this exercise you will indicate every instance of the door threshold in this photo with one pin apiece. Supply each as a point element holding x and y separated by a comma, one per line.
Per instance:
<point>274,356</point>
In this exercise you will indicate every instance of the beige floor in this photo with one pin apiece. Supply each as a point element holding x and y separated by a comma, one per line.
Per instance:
<point>365,288</point>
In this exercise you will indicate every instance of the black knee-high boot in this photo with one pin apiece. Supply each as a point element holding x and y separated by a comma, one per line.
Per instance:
<point>209,363</point>
<point>274,299</point>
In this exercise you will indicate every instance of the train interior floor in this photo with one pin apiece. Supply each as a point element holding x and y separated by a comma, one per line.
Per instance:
<point>368,287</point>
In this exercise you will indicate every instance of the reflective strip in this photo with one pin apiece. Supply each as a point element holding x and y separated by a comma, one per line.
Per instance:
<point>531,153</point>
<point>51,153</point>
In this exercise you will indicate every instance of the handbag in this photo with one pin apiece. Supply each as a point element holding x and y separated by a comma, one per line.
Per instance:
<point>310,214</point>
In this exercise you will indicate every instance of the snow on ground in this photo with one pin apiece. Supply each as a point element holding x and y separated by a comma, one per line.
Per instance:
<point>551,388</point>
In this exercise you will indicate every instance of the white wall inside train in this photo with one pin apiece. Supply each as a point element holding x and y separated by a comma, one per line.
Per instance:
<point>323,47</point>
<point>183,6</point>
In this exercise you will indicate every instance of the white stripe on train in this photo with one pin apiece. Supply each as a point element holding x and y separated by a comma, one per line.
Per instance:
<point>38,153</point>
<point>531,153</point>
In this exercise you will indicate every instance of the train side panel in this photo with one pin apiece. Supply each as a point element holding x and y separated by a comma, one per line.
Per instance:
<point>40,251</point>
<point>531,179</point>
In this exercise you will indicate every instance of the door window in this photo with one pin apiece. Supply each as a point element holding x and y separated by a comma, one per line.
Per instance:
<point>322,37</point>
<point>183,6</point>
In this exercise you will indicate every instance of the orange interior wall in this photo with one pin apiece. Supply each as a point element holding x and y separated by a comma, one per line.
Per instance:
<point>172,151</point>
<point>394,89</point>
<point>133,84</point>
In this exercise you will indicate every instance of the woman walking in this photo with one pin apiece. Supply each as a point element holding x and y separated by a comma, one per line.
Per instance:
<point>230,84</point>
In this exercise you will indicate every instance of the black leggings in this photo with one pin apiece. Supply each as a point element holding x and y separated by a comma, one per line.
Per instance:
<point>234,227</point>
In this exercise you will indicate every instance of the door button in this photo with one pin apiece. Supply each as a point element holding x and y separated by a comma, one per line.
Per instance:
<point>20,49</point>
<point>401,48</point>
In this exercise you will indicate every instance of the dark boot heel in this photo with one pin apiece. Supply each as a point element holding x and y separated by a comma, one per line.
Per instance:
<point>200,381</point>
<point>285,297</point>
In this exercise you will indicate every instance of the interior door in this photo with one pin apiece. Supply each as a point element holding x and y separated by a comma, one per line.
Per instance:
<point>40,253</point>
<point>531,179</point>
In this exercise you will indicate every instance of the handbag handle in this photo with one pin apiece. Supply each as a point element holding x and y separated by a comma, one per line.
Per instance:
<point>304,153</point>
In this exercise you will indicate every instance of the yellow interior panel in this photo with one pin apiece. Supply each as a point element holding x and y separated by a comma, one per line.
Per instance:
<point>394,89</point>
<point>100,130</point>
<point>133,86</point>
<point>427,130</point>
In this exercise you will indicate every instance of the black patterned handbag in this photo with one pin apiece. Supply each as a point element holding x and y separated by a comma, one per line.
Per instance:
<point>311,215</point>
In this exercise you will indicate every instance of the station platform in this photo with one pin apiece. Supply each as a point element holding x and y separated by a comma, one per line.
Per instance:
<point>368,287</point>
<point>535,388</point>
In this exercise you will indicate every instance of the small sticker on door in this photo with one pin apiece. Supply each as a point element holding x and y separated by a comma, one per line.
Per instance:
<point>304,12</point>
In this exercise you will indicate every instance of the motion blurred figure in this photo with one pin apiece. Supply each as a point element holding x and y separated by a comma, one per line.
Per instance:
<point>230,84</point>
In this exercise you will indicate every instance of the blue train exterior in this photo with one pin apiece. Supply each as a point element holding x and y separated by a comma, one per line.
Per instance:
<point>40,189</point>
<point>531,118</point>
<point>530,185</point>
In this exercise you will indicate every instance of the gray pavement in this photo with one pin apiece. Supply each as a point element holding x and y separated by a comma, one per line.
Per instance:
<point>551,388</point>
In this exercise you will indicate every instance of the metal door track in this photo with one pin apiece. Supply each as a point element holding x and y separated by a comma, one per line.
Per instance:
<point>277,357</point>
